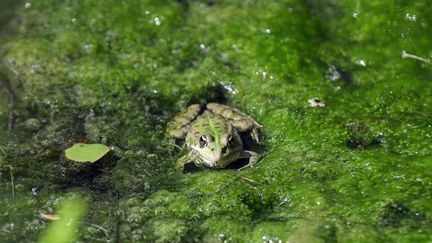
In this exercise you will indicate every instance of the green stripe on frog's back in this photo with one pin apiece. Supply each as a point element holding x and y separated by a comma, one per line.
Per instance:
<point>215,133</point>
<point>210,124</point>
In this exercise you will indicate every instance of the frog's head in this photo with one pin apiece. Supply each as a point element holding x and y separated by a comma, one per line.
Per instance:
<point>218,151</point>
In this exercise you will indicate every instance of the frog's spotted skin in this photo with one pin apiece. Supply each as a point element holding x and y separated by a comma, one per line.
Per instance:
<point>238,119</point>
<point>179,127</point>
<point>212,137</point>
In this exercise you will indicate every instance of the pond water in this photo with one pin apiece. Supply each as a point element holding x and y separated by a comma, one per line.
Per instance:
<point>355,169</point>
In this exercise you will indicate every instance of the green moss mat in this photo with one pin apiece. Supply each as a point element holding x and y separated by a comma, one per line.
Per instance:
<point>356,170</point>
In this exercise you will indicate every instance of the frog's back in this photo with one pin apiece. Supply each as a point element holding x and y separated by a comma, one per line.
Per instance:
<point>208,123</point>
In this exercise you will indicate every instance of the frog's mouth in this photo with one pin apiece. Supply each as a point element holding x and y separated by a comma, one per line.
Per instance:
<point>219,159</point>
<point>211,160</point>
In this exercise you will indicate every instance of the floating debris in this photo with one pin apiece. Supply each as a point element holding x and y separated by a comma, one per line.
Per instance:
<point>405,54</point>
<point>314,102</point>
<point>50,217</point>
<point>81,152</point>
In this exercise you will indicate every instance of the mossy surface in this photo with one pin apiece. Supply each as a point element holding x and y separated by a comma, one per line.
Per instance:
<point>356,170</point>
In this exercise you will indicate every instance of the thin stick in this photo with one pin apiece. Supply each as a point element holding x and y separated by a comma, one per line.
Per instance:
<point>12,181</point>
<point>11,120</point>
<point>405,54</point>
<point>101,228</point>
<point>12,100</point>
<point>50,217</point>
<point>250,180</point>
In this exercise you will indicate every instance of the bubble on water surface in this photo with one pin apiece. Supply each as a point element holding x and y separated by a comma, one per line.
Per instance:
<point>270,239</point>
<point>410,17</point>
<point>88,48</point>
<point>263,73</point>
<point>156,21</point>
<point>333,73</point>
<point>230,89</point>
<point>35,68</point>
<point>35,190</point>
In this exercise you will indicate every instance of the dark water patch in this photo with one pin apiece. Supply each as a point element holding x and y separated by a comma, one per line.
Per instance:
<point>66,114</point>
<point>324,9</point>
<point>87,174</point>
<point>142,174</point>
<point>237,164</point>
<point>397,214</point>
<point>328,233</point>
<point>361,137</point>
<point>338,75</point>
<point>213,92</point>
<point>259,203</point>
<point>191,168</point>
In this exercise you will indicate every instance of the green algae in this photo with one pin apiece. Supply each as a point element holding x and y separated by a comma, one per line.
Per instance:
<point>356,170</point>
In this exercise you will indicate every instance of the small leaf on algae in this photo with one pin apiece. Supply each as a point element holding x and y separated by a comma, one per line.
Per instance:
<point>81,152</point>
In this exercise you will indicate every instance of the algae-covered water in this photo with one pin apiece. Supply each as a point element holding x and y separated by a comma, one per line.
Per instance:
<point>115,72</point>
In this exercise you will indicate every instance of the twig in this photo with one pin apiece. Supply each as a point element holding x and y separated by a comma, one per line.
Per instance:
<point>102,229</point>
<point>405,54</point>
<point>12,100</point>
<point>12,181</point>
<point>250,180</point>
<point>49,217</point>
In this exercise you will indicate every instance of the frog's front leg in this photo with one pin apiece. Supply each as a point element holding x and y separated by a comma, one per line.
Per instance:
<point>241,121</point>
<point>253,158</point>
<point>190,157</point>
<point>179,126</point>
<point>183,160</point>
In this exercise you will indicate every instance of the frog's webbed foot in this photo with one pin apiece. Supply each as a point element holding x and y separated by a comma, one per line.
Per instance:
<point>254,131</point>
<point>253,158</point>
<point>179,126</point>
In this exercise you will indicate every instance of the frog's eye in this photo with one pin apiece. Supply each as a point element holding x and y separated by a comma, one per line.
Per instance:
<point>203,141</point>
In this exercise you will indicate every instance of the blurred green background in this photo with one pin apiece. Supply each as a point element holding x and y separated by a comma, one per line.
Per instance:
<point>115,72</point>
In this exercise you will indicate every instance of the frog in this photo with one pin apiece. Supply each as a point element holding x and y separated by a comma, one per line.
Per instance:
<point>212,136</point>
